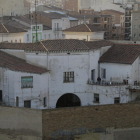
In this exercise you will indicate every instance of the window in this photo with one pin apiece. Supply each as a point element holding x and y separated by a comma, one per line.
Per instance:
<point>45,101</point>
<point>34,27</point>
<point>103,73</point>
<point>17,101</point>
<point>20,40</point>
<point>135,26</point>
<point>11,41</point>
<point>117,100</point>
<point>0,95</point>
<point>45,37</point>
<point>38,27</point>
<point>93,75</point>
<point>27,82</point>
<point>68,76</point>
<point>49,36</point>
<point>27,37</point>
<point>135,35</point>
<point>96,98</point>
<point>15,41</point>
<point>135,18</point>
<point>27,104</point>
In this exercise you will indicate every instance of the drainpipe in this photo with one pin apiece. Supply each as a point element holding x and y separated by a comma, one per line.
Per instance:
<point>98,69</point>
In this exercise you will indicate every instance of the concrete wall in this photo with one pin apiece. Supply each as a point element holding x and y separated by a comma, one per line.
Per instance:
<point>20,124</point>
<point>98,5</point>
<point>16,7</point>
<point>12,37</point>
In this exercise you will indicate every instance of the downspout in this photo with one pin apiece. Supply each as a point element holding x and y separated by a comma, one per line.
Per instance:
<point>49,73</point>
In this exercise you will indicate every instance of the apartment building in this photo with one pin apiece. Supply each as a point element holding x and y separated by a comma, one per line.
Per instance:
<point>135,27</point>
<point>73,5</point>
<point>104,21</point>
<point>14,8</point>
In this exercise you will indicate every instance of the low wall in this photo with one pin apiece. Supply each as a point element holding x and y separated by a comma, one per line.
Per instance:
<point>71,122</point>
<point>20,123</point>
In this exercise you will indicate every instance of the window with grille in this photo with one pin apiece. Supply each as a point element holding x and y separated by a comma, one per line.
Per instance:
<point>68,76</point>
<point>27,82</point>
<point>96,98</point>
<point>117,100</point>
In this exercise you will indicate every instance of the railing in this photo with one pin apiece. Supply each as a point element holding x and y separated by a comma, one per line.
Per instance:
<point>107,83</point>
<point>57,29</point>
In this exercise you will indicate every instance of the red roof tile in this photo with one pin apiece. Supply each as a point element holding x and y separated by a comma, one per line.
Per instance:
<point>84,28</point>
<point>121,53</point>
<point>10,29</point>
<point>16,64</point>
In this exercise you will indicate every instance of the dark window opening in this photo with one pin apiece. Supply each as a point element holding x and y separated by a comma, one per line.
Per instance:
<point>45,101</point>
<point>117,100</point>
<point>27,104</point>
<point>0,95</point>
<point>96,98</point>
<point>93,75</point>
<point>17,101</point>
<point>68,100</point>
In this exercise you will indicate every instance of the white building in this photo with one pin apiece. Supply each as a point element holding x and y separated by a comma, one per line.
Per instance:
<point>85,32</point>
<point>11,34</point>
<point>21,83</point>
<point>75,66</point>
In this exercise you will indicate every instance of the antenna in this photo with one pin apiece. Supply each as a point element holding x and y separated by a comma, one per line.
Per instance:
<point>36,19</point>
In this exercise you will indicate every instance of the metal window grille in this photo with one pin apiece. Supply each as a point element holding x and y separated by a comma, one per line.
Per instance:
<point>117,100</point>
<point>96,97</point>
<point>68,76</point>
<point>27,82</point>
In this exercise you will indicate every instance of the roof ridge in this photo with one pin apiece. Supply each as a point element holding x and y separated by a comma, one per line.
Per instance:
<point>5,28</point>
<point>44,46</point>
<point>88,27</point>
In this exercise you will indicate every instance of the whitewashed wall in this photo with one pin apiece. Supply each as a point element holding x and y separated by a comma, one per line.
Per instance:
<point>10,84</point>
<point>118,72</point>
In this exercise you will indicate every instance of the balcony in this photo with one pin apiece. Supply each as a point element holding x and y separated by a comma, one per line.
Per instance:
<point>135,87</point>
<point>105,83</point>
<point>57,29</point>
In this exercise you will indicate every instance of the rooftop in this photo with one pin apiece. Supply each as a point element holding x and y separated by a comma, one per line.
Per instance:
<point>84,28</point>
<point>16,64</point>
<point>57,45</point>
<point>10,29</point>
<point>121,53</point>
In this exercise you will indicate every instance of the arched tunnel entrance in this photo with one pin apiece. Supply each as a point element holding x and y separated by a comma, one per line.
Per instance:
<point>68,100</point>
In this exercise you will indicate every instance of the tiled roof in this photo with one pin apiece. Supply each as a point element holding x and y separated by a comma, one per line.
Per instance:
<point>16,24</point>
<point>57,45</point>
<point>80,16</point>
<point>97,44</point>
<point>23,46</point>
<point>16,64</point>
<point>84,28</point>
<point>114,11</point>
<point>52,15</point>
<point>29,21</point>
<point>64,45</point>
<point>121,53</point>
<point>10,29</point>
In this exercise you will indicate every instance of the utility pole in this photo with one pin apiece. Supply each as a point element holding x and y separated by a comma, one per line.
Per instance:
<point>2,23</point>
<point>36,19</point>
